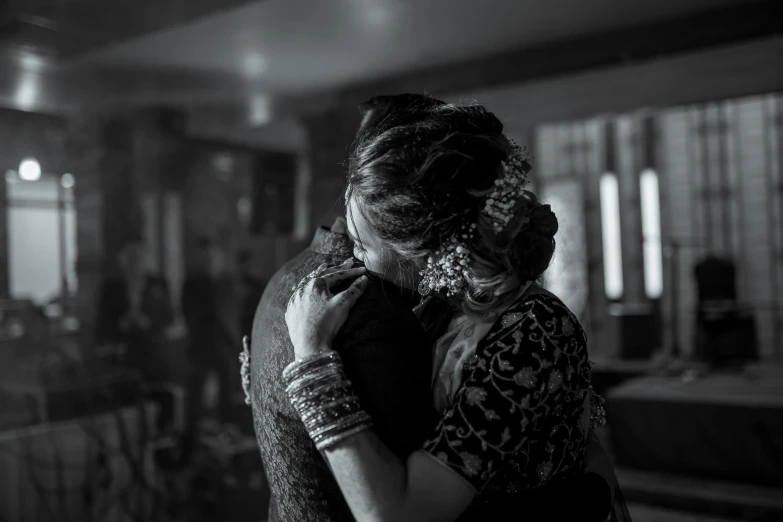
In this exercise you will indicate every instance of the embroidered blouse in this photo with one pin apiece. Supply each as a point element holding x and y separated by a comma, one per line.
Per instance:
<point>515,421</point>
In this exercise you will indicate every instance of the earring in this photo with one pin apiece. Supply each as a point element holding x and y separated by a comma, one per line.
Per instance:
<point>424,288</point>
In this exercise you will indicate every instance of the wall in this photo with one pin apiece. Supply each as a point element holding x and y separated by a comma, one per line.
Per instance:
<point>711,74</point>
<point>721,192</point>
<point>244,198</point>
<point>23,135</point>
<point>140,174</point>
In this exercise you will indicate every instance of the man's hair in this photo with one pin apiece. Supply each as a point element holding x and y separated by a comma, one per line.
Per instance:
<point>381,113</point>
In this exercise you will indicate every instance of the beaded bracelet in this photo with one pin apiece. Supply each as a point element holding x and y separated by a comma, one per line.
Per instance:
<point>322,396</point>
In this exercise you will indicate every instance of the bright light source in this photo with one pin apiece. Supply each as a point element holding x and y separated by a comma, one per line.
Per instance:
<point>651,232</point>
<point>31,62</point>
<point>610,232</point>
<point>260,111</point>
<point>26,95</point>
<point>244,208</point>
<point>30,169</point>
<point>67,180</point>
<point>254,64</point>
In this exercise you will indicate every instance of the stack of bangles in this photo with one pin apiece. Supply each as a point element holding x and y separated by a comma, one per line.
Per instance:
<point>322,396</point>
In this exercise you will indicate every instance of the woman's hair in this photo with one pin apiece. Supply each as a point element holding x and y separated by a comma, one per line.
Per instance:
<point>419,181</point>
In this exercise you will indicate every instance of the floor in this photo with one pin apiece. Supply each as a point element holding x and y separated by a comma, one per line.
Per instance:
<point>644,513</point>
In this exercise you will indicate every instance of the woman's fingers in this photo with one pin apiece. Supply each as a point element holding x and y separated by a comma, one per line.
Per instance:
<point>348,297</point>
<point>345,265</point>
<point>337,277</point>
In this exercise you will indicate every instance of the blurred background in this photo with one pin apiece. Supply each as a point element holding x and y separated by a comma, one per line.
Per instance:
<point>151,147</point>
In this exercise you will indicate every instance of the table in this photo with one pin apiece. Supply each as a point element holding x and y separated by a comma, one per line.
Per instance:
<point>723,425</point>
<point>80,469</point>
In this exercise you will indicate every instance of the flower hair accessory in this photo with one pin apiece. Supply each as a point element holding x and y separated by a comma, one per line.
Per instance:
<point>544,221</point>
<point>447,267</point>
<point>508,188</point>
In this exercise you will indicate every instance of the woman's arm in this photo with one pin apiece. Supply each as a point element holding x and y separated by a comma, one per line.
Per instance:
<point>508,391</point>
<point>379,487</point>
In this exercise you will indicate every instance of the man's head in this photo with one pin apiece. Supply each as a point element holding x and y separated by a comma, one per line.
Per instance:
<point>381,113</point>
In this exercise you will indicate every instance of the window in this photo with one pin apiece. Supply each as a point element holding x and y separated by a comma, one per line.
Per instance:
<point>567,276</point>
<point>610,232</point>
<point>41,236</point>
<point>651,233</point>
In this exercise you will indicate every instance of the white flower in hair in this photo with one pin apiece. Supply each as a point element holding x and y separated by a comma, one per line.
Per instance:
<point>447,268</point>
<point>508,188</point>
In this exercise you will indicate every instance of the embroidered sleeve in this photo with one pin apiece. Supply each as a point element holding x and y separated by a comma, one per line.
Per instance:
<point>518,403</point>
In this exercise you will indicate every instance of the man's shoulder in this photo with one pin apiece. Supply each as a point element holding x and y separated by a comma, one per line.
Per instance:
<point>270,345</point>
<point>281,284</point>
<point>384,311</point>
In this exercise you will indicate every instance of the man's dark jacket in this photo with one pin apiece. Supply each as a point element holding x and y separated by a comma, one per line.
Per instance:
<point>386,357</point>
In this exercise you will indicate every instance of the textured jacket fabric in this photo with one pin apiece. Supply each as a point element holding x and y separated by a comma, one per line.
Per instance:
<point>387,359</point>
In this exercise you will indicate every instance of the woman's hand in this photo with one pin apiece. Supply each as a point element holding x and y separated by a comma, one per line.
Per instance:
<point>315,314</point>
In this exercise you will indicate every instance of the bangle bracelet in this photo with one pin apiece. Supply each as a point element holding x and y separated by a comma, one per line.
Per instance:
<point>302,365</point>
<point>327,442</point>
<point>308,381</point>
<point>322,397</point>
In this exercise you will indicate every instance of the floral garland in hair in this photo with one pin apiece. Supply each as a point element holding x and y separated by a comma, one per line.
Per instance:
<point>447,268</point>
<point>508,188</point>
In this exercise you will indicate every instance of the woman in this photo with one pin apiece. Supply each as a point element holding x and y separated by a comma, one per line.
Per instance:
<point>438,204</point>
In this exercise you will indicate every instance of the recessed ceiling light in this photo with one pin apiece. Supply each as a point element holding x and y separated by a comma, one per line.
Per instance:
<point>31,62</point>
<point>254,64</point>
<point>26,95</point>
<point>30,169</point>
<point>260,111</point>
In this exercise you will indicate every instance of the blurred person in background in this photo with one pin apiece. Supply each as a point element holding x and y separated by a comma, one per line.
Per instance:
<point>250,290</point>
<point>135,312</point>
<point>206,306</point>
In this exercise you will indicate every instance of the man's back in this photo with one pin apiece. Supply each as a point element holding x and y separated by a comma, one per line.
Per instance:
<point>386,358</point>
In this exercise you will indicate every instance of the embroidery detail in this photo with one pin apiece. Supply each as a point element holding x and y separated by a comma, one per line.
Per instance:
<point>244,370</point>
<point>515,422</point>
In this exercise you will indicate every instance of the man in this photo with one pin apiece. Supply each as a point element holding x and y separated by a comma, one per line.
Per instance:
<point>209,335</point>
<point>134,310</point>
<point>386,342</point>
<point>250,289</point>
<point>387,356</point>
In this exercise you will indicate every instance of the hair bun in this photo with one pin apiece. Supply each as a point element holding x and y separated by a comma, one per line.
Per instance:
<point>543,221</point>
<point>470,119</point>
<point>381,113</point>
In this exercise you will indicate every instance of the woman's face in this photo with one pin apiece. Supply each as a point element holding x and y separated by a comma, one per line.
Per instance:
<point>368,248</point>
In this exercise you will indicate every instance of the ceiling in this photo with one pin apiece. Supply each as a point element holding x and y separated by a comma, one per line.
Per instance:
<point>248,62</point>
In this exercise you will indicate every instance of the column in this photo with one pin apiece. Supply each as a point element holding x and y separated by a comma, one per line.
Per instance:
<point>330,136</point>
